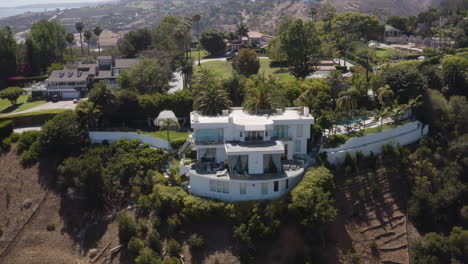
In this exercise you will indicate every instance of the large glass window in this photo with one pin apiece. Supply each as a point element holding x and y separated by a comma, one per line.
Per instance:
<point>254,136</point>
<point>214,135</point>
<point>297,146</point>
<point>275,186</point>
<point>243,188</point>
<point>299,130</point>
<point>219,186</point>
<point>225,187</point>
<point>264,188</point>
<point>280,131</point>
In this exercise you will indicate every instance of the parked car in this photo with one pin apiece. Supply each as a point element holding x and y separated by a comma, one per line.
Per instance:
<point>230,55</point>
<point>75,101</point>
<point>55,98</point>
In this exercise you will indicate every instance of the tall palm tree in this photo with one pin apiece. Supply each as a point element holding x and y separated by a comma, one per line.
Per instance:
<point>102,96</point>
<point>88,35</point>
<point>263,96</point>
<point>97,31</point>
<point>385,95</point>
<point>348,101</point>
<point>167,124</point>
<point>196,18</point>
<point>88,113</point>
<point>187,71</point>
<point>211,99</point>
<point>79,27</point>
<point>70,38</point>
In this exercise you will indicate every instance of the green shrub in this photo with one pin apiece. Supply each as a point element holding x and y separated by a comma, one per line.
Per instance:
<point>176,144</point>
<point>50,227</point>
<point>464,213</point>
<point>6,128</point>
<point>173,222</point>
<point>135,245</point>
<point>355,258</point>
<point>14,137</point>
<point>173,247</point>
<point>26,140</point>
<point>343,69</point>
<point>349,163</point>
<point>147,256</point>
<point>172,260</point>
<point>154,241</point>
<point>335,141</point>
<point>196,242</point>
<point>5,144</point>
<point>127,228</point>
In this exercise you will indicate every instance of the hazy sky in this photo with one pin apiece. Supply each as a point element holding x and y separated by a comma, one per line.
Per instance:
<point>9,3</point>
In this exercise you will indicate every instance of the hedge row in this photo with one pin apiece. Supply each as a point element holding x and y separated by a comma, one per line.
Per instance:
<point>6,128</point>
<point>30,119</point>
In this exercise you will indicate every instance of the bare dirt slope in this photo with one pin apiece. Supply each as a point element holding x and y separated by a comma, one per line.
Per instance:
<point>27,208</point>
<point>372,221</point>
<point>386,7</point>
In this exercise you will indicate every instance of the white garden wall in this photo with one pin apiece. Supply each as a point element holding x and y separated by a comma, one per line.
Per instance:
<point>402,135</point>
<point>99,137</point>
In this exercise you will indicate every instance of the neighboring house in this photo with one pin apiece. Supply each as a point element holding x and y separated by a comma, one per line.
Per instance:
<point>109,68</point>
<point>249,157</point>
<point>393,35</point>
<point>255,39</point>
<point>71,84</point>
<point>323,69</point>
<point>67,84</point>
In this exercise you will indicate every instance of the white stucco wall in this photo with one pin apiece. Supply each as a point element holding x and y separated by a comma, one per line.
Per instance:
<point>200,186</point>
<point>256,163</point>
<point>99,137</point>
<point>402,135</point>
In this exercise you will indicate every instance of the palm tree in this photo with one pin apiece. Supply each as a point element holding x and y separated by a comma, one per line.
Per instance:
<point>196,18</point>
<point>263,95</point>
<point>102,96</point>
<point>187,71</point>
<point>167,124</point>
<point>79,27</point>
<point>348,102</point>
<point>70,38</point>
<point>88,35</point>
<point>385,96</point>
<point>97,31</point>
<point>88,113</point>
<point>211,98</point>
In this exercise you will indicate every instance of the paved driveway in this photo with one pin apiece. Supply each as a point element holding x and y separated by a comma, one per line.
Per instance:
<point>49,106</point>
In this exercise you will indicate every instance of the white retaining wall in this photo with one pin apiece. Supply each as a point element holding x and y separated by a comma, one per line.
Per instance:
<point>402,135</point>
<point>99,137</point>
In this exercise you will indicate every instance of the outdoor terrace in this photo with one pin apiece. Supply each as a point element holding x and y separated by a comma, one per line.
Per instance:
<point>289,169</point>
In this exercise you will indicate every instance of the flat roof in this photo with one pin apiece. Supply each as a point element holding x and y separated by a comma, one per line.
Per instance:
<point>250,121</point>
<point>266,147</point>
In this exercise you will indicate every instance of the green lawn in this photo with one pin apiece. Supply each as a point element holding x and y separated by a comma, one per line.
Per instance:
<point>194,54</point>
<point>343,138</point>
<point>173,135</point>
<point>224,69</point>
<point>384,52</point>
<point>6,107</point>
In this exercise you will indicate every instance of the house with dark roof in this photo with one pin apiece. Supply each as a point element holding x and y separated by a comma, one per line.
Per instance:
<point>71,84</point>
<point>67,84</point>
<point>394,35</point>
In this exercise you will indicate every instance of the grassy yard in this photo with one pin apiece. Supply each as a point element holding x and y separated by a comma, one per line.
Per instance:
<point>173,135</point>
<point>341,139</point>
<point>6,107</point>
<point>224,69</point>
<point>203,54</point>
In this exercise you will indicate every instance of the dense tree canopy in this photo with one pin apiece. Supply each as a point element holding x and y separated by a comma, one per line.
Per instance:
<point>302,47</point>
<point>148,76</point>
<point>45,44</point>
<point>213,41</point>
<point>7,55</point>
<point>12,94</point>
<point>246,62</point>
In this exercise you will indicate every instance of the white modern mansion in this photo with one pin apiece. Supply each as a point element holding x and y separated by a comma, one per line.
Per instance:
<point>242,157</point>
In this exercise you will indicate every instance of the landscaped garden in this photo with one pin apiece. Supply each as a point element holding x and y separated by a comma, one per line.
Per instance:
<point>173,135</point>
<point>224,69</point>
<point>22,104</point>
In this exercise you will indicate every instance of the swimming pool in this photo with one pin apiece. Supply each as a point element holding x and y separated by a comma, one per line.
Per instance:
<point>349,122</point>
